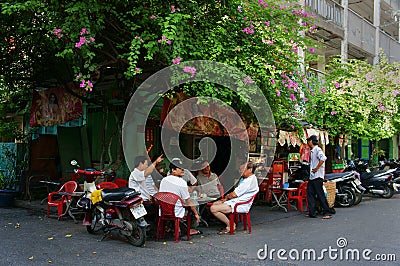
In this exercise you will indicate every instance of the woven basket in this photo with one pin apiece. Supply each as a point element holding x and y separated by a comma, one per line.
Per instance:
<point>331,191</point>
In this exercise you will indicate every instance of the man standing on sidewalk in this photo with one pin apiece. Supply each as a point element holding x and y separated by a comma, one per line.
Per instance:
<point>315,183</point>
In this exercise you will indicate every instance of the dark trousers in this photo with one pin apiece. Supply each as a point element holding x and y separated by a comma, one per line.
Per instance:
<point>314,189</point>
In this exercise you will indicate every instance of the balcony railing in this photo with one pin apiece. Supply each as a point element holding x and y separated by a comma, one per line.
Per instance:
<point>390,46</point>
<point>328,9</point>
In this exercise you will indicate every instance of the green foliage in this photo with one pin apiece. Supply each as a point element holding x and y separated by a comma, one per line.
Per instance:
<point>134,39</point>
<point>358,99</point>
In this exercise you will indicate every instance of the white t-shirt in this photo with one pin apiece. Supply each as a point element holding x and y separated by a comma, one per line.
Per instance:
<point>244,191</point>
<point>150,185</point>
<point>187,176</point>
<point>179,187</point>
<point>137,181</point>
<point>317,155</point>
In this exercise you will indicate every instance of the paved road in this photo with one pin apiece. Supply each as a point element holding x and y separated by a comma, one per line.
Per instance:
<point>30,238</point>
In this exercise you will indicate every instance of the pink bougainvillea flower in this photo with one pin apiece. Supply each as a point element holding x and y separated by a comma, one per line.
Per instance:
<point>164,39</point>
<point>239,9</point>
<point>333,112</point>
<point>91,39</point>
<point>153,17</point>
<point>83,83</point>
<point>292,97</point>
<point>273,81</point>
<point>381,107</point>
<point>278,93</point>
<point>323,90</point>
<point>191,70</point>
<point>337,85</point>
<point>268,41</point>
<point>305,80</point>
<point>248,30</point>
<point>177,60</point>
<point>311,49</point>
<point>248,80</point>
<point>57,32</point>
<point>293,126</point>
<point>305,99</point>
<point>267,23</point>
<point>84,31</point>
<point>395,93</point>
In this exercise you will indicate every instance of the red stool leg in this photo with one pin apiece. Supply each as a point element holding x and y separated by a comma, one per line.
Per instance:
<point>248,221</point>
<point>176,230</point>
<point>231,222</point>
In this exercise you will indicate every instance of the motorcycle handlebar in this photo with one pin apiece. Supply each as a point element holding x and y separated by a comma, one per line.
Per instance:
<point>84,172</point>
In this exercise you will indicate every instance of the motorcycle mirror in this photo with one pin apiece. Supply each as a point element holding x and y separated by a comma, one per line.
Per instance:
<point>74,163</point>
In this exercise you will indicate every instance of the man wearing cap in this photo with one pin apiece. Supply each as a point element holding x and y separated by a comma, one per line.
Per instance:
<point>174,183</point>
<point>188,177</point>
<point>315,183</point>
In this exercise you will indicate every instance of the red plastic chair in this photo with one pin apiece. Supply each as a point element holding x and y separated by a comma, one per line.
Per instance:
<point>244,216</point>
<point>167,202</point>
<point>54,199</point>
<point>103,185</point>
<point>300,194</point>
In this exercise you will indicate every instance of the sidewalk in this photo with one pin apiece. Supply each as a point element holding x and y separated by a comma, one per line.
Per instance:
<point>261,213</point>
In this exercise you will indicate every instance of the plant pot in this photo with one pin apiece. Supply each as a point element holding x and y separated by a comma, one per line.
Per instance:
<point>7,197</point>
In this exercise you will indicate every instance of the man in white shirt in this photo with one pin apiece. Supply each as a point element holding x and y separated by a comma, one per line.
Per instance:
<point>142,171</point>
<point>316,181</point>
<point>175,184</point>
<point>246,189</point>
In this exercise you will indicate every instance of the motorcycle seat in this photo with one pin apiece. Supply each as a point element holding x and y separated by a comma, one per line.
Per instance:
<point>371,174</point>
<point>117,194</point>
<point>337,175</point>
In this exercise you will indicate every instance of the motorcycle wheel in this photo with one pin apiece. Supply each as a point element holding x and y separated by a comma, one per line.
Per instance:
<point>348,200</point>
<point>359,197</point>
<point>389,191</point>
<point>138,236</point>
<point>96,225</point>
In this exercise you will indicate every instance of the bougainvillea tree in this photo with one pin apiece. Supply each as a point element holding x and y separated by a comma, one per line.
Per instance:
<point>115,45</point>
<point>358,99</point>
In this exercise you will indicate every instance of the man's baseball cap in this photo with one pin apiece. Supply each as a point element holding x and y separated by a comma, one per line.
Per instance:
<point>176,163</point>
<point>313,138</point>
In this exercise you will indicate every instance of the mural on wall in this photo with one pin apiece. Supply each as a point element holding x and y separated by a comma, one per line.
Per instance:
<point>54,106</point>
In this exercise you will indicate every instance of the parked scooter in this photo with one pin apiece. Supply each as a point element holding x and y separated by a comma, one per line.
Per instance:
<point>348,188</point>
<point>376,182</point>
<point>392,164</point>
<point>108,210</point>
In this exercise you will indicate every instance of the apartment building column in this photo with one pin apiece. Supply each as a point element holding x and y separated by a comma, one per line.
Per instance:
<point>377,16</point>
<point>345,42</point>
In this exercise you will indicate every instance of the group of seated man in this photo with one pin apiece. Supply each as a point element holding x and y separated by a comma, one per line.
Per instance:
<point>182,182</point>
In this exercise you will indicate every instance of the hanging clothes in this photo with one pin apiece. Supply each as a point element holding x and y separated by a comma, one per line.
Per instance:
<point>305,152</point>
<point>282,137</point>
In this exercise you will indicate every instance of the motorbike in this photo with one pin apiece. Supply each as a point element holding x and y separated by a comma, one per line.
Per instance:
<point>376,182</point>
<point>349,189</point>
<point>109,210</point>
<point>393,164</point>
